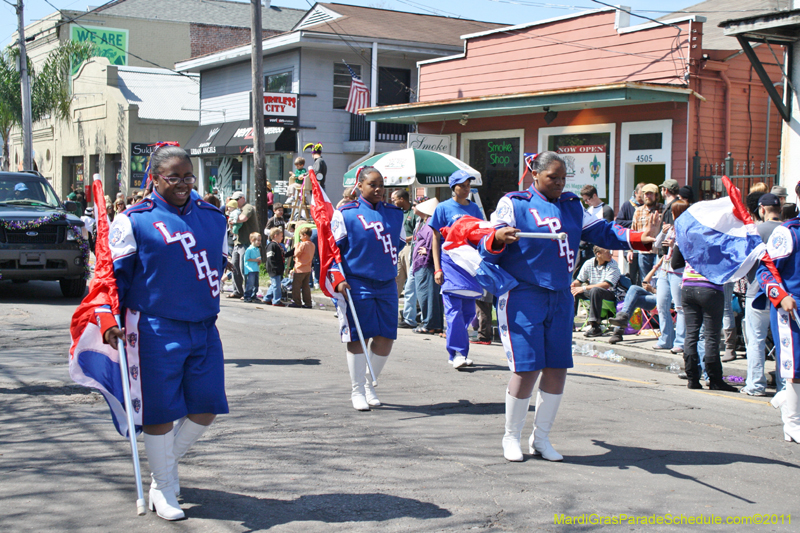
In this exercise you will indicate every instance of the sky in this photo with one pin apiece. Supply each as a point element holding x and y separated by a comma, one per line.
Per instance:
<point>502,11</point>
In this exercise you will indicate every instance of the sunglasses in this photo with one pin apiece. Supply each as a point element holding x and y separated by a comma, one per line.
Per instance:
<point>174,180</point>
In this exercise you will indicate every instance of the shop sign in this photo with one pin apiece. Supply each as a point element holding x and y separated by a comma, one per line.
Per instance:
<point>434,143</point>
<point>140,154</point>
<point>110,43</point>
<point>206,147</point>
<point>281,109</point>
<point>586,165</point>
<point>246,134</point>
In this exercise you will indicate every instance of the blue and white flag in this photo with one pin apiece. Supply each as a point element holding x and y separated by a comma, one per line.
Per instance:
<point>718,238</point>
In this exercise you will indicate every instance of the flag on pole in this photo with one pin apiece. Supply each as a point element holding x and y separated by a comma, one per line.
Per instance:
<point>359,94</point>
<point>460,245</point>
<point>322,213</point>
<point>718,237</point>
<point>93,363</point>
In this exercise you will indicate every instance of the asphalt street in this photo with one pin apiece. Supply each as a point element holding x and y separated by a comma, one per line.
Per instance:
<point>294,456</point>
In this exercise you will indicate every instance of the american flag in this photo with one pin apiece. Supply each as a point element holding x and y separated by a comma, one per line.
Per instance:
<point>359,94</point>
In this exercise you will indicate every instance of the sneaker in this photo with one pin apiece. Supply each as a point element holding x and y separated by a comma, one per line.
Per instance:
<point>307,306</point>
<point>469,361</point>
<point>657,347</point>
<point>620,320</point>
<point>615,338</point>
<point>279,304</point>
<point>293,305</point>
<point>405,325</point>
<point>753,393</point>
<point>677,350</point>
<point>459,361</point>
<point>595,331</point>
<point>266,302</point>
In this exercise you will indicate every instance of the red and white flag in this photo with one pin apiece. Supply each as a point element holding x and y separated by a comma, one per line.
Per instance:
<point>322,213</point>
<point>93,363</point>
<point>359,94</point>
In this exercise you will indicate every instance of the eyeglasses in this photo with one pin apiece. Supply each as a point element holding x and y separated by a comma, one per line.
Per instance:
<point>174,180</point>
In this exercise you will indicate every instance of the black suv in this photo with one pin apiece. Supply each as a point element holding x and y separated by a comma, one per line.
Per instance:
<point>50,252</point>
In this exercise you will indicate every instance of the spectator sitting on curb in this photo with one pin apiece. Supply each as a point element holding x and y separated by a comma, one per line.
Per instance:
<point>601,275</point>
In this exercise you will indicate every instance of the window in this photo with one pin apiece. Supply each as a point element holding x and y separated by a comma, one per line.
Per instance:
<point>644,141</point>
<point>278,83</point>
<point>341,83</point>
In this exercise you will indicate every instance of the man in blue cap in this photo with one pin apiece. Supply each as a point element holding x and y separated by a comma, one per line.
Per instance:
<point>459,288</point>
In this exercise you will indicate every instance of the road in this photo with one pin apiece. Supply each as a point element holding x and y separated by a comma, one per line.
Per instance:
<point>293,455</point>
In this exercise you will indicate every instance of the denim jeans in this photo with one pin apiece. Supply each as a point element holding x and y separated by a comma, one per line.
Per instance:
<point>251,286</point>
<point>757,328</point>
<point>410,301</point>
<point>729,317</point>
<point>274,291</point>
<point>668,289</point>
<point>237,261</point>
<point>646,262</point>
<point>638,297</point>
<point>430,301</point>
<point>702,307</point>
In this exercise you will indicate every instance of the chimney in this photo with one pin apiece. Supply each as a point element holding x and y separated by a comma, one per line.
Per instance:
<point>623,18</point>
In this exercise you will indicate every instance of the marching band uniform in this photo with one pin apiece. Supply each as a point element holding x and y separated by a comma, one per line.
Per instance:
<point>369,239</point>
<point>783,246</point>
<point>168,263</point>
<point>535,317</point>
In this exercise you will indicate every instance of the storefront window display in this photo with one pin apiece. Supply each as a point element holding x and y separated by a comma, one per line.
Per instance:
<point>498,162</point>
<point>224,175</point>
<point>588,158</point>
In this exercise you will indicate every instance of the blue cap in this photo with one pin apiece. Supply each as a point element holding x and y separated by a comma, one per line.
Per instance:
<point>459,176</point>
<point>20,187</point>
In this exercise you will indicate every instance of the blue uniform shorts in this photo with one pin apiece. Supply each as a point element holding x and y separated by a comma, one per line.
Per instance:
<point>787,354</point>
<point>536,328</point>
<point>376,304</point>
<point>182,367</point>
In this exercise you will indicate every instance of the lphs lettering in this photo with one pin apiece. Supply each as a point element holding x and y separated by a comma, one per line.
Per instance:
<point>386,240</point>
<point>200,259</point>
<point>563,246</point>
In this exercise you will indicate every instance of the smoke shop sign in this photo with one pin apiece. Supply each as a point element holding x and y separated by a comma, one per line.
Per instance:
<point>434,143</point>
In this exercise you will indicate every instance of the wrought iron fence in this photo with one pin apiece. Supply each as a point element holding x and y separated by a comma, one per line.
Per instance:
<point>743,174</point>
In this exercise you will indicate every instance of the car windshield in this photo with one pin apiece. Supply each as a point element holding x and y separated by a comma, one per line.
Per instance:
<point>24,190</point>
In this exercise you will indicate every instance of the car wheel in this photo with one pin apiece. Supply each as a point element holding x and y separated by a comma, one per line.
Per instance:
<point>72,288</point>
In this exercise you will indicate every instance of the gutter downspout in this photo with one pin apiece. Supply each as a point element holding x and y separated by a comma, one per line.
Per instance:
<point>373,102</point>
<point>728,99</point>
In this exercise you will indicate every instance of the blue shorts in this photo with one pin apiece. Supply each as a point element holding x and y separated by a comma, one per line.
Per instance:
<point>376,304</point>
<point>536,327</point>
<point>181,366</point>
<point>787,343</point>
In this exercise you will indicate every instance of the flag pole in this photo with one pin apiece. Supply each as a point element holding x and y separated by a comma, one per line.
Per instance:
<point>141,509</point>
<point>361,337</point>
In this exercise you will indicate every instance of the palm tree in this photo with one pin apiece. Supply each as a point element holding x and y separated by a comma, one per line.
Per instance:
<point>50,88</point>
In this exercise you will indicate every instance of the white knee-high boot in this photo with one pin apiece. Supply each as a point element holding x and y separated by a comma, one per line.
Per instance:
<point>378,361</point>
<point>357,364</point>
<point>546,409</point>
<point>788,400</point>
<point>160,457</point>
<point>185,434</point>
<point>516,412</point>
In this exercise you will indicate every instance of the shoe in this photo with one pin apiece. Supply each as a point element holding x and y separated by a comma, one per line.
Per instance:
<point>753,393</point>
<point>422,331</point>
<point>459,361</point>
<point>293,305</point>
<point>516,412</point>
<point>469,361</point>
<point>789,403</point>
<point>546,409</point>
<point>677,350</point>
<point>161,458</point>
<point>621,320</point>
<point>657,347</point>
<point>248,301</point>
<point>266,302</point>
<point>615,338</point>
<point>404,325</point>
<point>594,332</point>
<point>279,304</point>
<point>683,375</point>
<point>357,365</point>
<point>694,384</point>
<point>234,295</point>
<point>728,357</point>
<point>721,385</point>
<point>306,306</point>
<point>485,343</point>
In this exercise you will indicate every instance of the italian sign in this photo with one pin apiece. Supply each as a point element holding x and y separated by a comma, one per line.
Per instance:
<point>280,109</point>
<point>109,43</point>
<point>586,165</point>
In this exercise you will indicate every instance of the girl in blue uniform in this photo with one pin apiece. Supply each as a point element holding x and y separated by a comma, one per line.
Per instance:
<point>459,288</point>
<point>369,233</point>
<point>535,317</point>
<point>169,253</point>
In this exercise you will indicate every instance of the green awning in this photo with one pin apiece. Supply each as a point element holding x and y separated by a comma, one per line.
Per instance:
<point>610,95</point>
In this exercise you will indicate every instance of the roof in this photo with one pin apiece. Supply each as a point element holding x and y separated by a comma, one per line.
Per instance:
<point>716,11</point>
<point>777,27</point>
<point>160,93</point>
<point>371,22</point>
<point>217,12</point>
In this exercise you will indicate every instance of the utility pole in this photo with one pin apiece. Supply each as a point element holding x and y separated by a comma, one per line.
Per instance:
<point>27,135</point>
<point>259,158</point>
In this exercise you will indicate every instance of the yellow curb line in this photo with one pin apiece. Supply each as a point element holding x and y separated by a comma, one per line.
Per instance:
<point>733,397</point>
<point>614,378</point>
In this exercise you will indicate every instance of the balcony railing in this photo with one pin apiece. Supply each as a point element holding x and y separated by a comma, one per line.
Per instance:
<point>390,133</point>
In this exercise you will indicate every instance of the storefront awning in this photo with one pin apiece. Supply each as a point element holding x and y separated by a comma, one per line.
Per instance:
<point>276,139</point>
<point>210,139</point>
<point>610,95</point>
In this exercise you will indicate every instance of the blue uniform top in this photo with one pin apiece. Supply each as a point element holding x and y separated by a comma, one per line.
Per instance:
<point>369,238</point>
<point>168,261</point>
<point>782,246</point>
<point>550,263</point>
<point>449,211</point>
